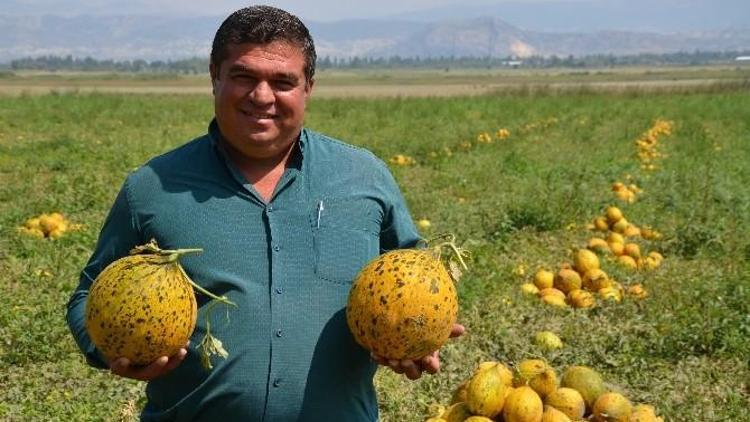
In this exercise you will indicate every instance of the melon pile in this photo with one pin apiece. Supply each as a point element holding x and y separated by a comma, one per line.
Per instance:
<point>51,226</point>
<point>619,241</point>
<point>626,193</point>
<point>533,392</point>
<point>648,144</point>
<point>580,285</point>
<point>403,304</point>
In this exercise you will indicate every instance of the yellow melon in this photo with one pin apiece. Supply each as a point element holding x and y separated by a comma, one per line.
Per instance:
<point>632,250</point>
<point>598,245</point>
<point>543,279</point>
<point>643,413</point>
<point>142,306</point>
<point>485,394</point>
<point>567,280</point>
<point>581,299</point>
<point>544,383</point>
<point>619,226</point>
<point>627,261</point>
<point>476,418</point>
<point>595,279</point>
<point>601,224</point>
<point>632,231</point>
<point>554,300</point>
<point>567,400</point>
<point>402,305</point>
<point>552,292</point>
<point>548,340</point>
<point>617,248</point>
<point>585,260</point>
<point>611,294</point>
<point>457,412</point>
<point>615,237</point>
<point>586,381</point>
<point>637,291</point>
<point>529,289</point>
<point>523,405</point>
<point>611,407</point>
<point>528,369</point>
<point>553,415</point>
<point>613,215</point>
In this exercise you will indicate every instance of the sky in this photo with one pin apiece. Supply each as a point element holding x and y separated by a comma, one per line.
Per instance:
<point>318,10</point>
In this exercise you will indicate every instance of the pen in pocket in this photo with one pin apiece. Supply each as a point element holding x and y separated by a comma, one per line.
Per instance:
<point>320,212</point>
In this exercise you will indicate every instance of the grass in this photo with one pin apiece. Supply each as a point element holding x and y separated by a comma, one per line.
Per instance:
<point>523,201</point>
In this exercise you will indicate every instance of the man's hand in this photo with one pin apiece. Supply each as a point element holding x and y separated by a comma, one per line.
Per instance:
<point>157,368</point>
<point>413,368</point>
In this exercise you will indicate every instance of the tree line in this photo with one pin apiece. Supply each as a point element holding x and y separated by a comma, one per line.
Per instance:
<point>200,65</point>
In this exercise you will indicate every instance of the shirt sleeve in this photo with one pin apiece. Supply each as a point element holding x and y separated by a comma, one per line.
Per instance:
<point>398,230</point>
<point>119,234</point>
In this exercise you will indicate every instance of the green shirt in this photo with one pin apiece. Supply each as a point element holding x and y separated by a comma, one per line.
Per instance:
<point>288,264</point>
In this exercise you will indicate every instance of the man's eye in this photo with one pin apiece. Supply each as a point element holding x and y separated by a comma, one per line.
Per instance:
<point>284,85</point>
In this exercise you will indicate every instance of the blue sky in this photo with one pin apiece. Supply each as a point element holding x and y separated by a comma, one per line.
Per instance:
<point>320,10</point>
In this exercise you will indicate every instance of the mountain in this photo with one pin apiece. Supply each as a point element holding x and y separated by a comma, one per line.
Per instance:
<point>662,16</point>
<point>175,37</point>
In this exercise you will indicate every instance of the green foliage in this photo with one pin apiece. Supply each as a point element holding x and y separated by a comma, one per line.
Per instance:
<point>524,200</point>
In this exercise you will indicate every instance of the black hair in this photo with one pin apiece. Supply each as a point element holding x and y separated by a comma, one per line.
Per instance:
<point>263,25</point>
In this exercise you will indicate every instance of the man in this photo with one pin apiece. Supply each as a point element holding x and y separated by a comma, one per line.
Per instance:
<point>286,217</point>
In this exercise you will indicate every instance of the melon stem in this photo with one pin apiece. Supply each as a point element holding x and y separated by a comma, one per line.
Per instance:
<point>222,299</point>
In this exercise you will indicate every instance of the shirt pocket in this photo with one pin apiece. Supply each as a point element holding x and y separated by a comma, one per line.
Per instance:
<point>346,236</point>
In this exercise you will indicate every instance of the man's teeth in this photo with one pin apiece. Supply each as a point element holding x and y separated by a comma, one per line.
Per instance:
<point>260,116</point>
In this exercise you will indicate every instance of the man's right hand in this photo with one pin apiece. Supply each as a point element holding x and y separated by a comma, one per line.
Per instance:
<point>157,368</point>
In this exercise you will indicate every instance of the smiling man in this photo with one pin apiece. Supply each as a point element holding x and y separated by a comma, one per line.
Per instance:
<point>286,217</point>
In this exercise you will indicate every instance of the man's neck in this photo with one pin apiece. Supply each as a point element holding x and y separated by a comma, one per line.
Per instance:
<point>263,173</point>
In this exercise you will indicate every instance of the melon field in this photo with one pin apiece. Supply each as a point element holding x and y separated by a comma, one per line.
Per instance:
<point>518,176</point>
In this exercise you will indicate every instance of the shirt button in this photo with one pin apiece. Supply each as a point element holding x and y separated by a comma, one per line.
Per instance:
<point>270,208</point>
<point>277,382</point>
<point>278,332</point>
<point>279,290</point>
<point>276,248</point>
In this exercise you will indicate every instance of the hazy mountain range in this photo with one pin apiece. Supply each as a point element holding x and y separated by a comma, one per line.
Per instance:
<point>544,27</point>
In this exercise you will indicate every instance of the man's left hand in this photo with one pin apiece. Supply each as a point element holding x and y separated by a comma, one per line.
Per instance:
<point>413,368</point>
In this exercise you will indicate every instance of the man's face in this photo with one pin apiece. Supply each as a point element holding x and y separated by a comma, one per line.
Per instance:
<point>260,94</point>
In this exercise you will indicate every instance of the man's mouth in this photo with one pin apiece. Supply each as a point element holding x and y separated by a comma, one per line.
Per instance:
<point>258,116</point>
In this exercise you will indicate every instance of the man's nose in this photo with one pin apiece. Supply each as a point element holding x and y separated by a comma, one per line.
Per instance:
<point>262,93</point>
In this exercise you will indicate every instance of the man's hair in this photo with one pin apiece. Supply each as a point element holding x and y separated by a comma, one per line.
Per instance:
<point>264,25</point>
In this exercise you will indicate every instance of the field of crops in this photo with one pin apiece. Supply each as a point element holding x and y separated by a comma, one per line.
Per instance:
<point>518,177</point>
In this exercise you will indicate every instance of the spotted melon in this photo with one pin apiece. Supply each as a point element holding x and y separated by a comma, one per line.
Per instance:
<point>403,304</point>
<point>142,307</point>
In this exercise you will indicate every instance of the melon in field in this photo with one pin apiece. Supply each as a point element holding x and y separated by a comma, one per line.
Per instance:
<point>586,381</point>
<point>523,405</point>
<point>568,279</point>
<point>568,401</point>
<point>585,260</point>
<point>613,215</point>
<point>403,304</point>
<point>485,394</point>
<point>457,412</point>
<point>611,407</point>
<point>548,340</point>
<point>142,307</point>
<point>527,369</point>
<point>543,279</point>
<point>553,415</point>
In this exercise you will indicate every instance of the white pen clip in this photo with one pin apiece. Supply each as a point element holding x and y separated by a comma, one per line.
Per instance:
<point>320,212</point>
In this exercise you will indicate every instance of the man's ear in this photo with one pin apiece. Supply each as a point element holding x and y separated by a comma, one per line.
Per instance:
<point>213,71</point>
<point>309,86</point>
